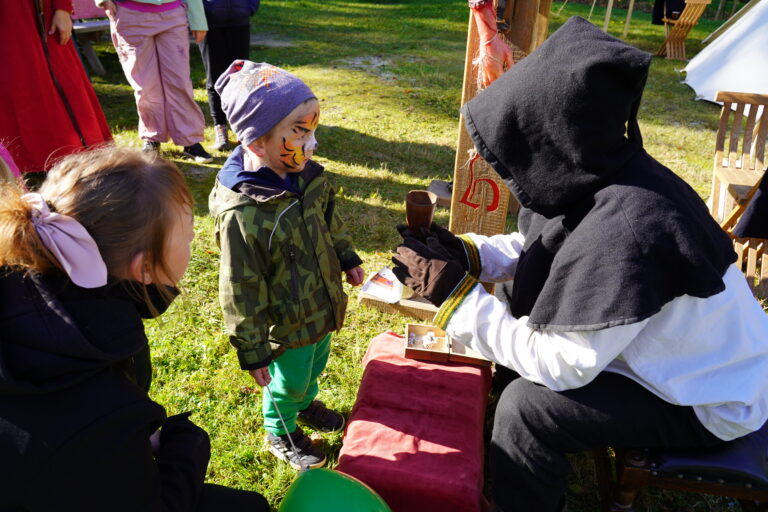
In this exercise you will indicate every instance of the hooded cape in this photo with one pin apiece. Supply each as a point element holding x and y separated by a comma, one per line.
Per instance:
<point>611,234</point>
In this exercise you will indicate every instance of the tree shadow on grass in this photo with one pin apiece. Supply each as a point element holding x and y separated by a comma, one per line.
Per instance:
<point>416,159</point>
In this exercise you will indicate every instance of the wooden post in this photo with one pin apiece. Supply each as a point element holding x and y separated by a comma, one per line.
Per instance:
<point>629,17</point>
<point>480,200</point>
<point>607,15</point>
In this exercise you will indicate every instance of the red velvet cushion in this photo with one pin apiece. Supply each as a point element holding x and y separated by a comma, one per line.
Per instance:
<point>415,434</point>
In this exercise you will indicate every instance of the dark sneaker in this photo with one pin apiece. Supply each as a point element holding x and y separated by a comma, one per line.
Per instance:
<point>319,417</point>
<point>197,153</point>
<point>222,138</point>
<point>151,146</point>
<point>306,453</point>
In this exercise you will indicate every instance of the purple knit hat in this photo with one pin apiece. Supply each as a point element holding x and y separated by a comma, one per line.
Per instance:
<point>256,96</point>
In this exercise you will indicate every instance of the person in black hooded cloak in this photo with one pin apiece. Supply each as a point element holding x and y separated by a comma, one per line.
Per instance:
<point>626,320</point>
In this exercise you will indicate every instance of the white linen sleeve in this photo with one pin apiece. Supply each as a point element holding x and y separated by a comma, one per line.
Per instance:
<point>493,259</point>
<point>558,360</point>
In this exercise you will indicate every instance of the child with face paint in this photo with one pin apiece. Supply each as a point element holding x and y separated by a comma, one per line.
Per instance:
<point>283,249</point>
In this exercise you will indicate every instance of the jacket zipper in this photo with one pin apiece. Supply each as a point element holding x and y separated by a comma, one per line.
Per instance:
<point>317,260</point>
<point>294,274</point>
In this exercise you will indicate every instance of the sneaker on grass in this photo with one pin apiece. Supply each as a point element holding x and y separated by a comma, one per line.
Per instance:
<point>197,153</point>
<point>151,146</point>
<point>222,138</point>
<point>319,417</point>
<point>306,453</point>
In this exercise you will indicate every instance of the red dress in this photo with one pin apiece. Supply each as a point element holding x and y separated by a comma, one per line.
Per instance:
<point>34,123</point>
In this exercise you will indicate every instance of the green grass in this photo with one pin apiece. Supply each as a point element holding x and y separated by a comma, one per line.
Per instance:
<point>388,75</point>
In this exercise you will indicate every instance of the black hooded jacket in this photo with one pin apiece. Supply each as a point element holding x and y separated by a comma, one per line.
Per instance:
<point>611,234</point>
<point>75,418</point>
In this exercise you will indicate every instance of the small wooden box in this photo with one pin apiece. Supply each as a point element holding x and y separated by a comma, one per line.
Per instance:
<point>446,349</point>
<point>414,345</point>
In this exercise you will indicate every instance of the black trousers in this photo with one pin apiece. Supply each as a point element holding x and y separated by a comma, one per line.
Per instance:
<point>535,427</point>
<point>220,47</point>
<point>216,498</point>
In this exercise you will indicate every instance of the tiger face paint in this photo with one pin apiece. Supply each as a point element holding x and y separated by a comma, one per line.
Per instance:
<point>290,144</point>
<point>300,144</point>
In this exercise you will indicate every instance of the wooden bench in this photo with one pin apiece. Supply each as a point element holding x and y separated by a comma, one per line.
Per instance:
<point>89,32</point>
<point>89,22</point>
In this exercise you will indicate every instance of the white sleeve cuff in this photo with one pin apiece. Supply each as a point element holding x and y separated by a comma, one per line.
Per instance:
<point>558,360</point>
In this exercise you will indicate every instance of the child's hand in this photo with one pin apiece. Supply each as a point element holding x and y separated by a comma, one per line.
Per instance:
<point>261,376</point>
<point>110,9</point>
<point>199,35</point>
<point>62,21</point>
<point>355,276</point>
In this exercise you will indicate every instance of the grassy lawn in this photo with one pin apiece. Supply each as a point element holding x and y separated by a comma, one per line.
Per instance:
<point>388,74</point>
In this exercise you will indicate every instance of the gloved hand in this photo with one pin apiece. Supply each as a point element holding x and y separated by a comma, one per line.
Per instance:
<point>442,242</point>
<point>427,272</point>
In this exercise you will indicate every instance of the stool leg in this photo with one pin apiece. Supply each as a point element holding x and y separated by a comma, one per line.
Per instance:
<point>625,499</point>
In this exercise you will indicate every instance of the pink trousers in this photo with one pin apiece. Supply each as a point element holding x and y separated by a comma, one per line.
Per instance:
<point>153,48</point>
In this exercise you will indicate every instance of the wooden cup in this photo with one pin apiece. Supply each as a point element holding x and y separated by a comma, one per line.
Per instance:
<point>420,210</point>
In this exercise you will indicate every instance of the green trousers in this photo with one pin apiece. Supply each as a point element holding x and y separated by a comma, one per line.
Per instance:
<point>294,384</point>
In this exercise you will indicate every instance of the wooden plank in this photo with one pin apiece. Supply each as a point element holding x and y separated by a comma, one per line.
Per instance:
<point>733,143</point>
<point>758,146</point>
<point>528,22</point>
<point>417,307</point>
<point>480,199</point>
<point>738,177</point>
<point>741,97</point>
<point>739,248</point>
<point>762,287</point>
<point>746,145</point>
<point>751,264</point>
<point>714,199</point>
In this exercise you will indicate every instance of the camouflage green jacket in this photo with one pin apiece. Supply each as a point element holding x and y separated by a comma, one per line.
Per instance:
<point>282,254</point>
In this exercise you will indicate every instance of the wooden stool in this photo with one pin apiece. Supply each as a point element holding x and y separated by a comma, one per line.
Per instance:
<point>736,469</point>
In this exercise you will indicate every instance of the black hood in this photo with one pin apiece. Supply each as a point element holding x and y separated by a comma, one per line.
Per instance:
<point>611,235</point>
<point>54,334</point>
<point>563,120</point>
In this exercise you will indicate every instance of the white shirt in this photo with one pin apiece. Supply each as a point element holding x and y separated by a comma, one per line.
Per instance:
<point>710,354</point>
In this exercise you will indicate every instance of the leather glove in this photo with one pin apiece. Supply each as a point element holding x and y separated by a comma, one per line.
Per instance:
<point>428,273</point>
<point>444,243</point>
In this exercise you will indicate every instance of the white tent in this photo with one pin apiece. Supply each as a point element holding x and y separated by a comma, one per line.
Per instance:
<point>736,61</point>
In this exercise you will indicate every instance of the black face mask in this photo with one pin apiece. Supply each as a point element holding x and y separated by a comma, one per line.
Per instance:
<point>160,297</point>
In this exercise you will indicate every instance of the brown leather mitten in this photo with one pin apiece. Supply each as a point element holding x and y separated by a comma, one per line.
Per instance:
<point>426,272</point>
<point>443,243</point>
<point>450,243</point>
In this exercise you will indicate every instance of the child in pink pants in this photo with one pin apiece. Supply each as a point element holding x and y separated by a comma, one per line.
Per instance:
<point>152,42</point>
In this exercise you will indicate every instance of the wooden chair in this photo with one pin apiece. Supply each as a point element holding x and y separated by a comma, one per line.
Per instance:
<point>742,164</point>
<point>751,252</point>
<point>736,469</point>
<point>677,29</point>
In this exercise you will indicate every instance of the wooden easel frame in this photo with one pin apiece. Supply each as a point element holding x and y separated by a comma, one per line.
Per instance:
<point>480,200</point>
